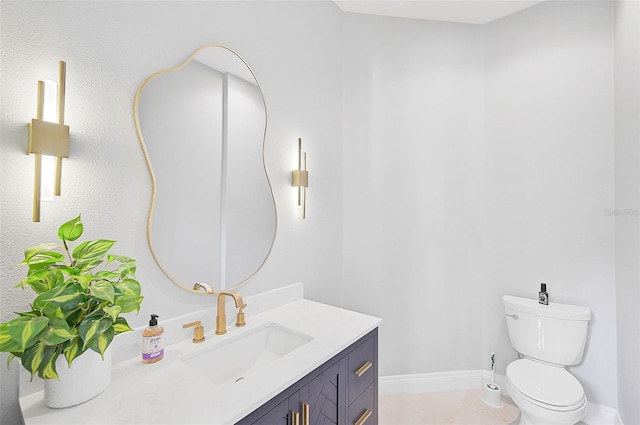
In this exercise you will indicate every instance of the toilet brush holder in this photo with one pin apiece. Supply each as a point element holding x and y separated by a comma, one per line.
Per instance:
<point>492,395</point>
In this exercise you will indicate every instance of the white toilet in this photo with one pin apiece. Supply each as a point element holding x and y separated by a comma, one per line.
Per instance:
<point>548,338</point>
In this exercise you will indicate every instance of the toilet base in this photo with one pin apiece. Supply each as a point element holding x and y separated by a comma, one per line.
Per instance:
<point>531,414</point>
<point>526,418</point>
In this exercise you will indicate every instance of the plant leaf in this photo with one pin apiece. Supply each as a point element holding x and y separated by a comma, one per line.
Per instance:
<point>107,275</point>
<point>52,310</point>
<point>57,332</point>
<point>129,303</point>
<point>7,344</point>
<point>127,265</point>
<point>26,359</point>
<point>73,350</point>
<point>35,281</point>
<point>93,326</point>
<point>71,230</point>
<point>53,278</point>
<point>42,259</point>
<point>43,280</point>
<point>113,311</point>
<point>34,250</point>
<point>47,369</point>
<point>67,299</point>
<point>92,250</point>
<point>9,358</point>
<point>25,330</point>
<point>102,341</point>
<point>86,265</point>
<point>128,287</point>
<point>37,359</point>
<point>121,326</point>
<point>102,290</point>
<point>84,280</point>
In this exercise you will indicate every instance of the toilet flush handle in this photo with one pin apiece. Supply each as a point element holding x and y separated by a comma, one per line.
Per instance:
<point>514,316</point>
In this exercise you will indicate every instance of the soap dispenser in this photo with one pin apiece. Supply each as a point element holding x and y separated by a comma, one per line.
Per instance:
<point>543,296</point>
<point>152,344</point>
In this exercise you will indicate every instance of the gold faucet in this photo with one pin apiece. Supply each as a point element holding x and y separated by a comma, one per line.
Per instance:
<point>198,331</point>
<point>221,317</point>
<point>207,288</point>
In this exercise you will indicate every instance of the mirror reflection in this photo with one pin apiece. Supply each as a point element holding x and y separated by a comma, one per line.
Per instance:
<point>202,125</point>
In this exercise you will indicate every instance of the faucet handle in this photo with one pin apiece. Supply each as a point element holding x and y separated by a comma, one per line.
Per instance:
<point>240,316</point>
<point>198,332</point>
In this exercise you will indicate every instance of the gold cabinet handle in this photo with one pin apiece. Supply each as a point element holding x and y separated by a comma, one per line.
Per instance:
<point>305,414</point>
<point>364,417</point>
<point>295,418</point>
<point>363,369</point>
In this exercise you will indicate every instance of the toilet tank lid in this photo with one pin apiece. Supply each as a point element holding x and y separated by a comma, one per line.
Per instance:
<point>557,310</point>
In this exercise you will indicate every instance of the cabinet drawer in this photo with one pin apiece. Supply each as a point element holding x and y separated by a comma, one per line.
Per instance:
<point>361,367</point>
<point>362,410</point>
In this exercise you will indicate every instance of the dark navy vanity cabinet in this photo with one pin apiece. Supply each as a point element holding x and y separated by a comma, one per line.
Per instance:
<point>343,391</point>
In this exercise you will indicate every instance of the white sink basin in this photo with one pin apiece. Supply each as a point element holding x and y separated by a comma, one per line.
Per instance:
<point>232,360</point>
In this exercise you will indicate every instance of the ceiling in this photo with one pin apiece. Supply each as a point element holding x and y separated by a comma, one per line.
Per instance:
<point>464,11</point>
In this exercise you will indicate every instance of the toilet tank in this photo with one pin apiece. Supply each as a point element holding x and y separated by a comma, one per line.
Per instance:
<point>554,333</point>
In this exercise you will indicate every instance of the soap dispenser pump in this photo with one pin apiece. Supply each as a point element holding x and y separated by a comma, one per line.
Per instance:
<point>543,296</point>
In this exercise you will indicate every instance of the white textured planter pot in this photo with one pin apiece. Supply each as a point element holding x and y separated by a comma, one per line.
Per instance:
<point>88,376</point>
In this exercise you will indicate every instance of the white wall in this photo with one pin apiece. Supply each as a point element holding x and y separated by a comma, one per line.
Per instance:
<point>110,47</point>
<point>412,158</point>
<point>479,162</point>
<point>627,205</point>
<point>548,175</point>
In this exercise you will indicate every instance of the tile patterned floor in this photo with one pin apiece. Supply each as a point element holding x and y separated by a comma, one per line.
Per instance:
<point>444,408</point>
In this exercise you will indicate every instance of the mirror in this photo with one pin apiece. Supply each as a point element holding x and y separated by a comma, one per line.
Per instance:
<point>202,127</point>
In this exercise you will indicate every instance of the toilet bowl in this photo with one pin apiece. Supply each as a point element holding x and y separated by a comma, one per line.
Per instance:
<point>545,394</point>
<point>548,338</point>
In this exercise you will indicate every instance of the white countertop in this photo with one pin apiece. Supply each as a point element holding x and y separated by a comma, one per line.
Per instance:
<point>171,392</point>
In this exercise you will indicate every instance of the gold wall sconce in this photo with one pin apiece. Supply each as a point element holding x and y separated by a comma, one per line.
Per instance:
<point>49,139</point>
<point>300,179</point>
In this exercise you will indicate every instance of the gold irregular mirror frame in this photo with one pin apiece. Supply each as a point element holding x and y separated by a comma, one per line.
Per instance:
<point>202,128</point>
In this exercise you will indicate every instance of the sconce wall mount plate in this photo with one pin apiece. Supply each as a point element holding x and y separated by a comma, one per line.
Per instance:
<point>49,138</point>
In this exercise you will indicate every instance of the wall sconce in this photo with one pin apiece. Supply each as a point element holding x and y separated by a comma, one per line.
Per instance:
<point>49,138</point>
<point>300,179</point>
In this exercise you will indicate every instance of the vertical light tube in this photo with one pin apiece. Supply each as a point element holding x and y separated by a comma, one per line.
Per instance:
<point>223,180</point>
<point>300,168</point>
<point>62,87</point>
<point>50,114</point>
<point>37,183</point>
<point>304,200</point>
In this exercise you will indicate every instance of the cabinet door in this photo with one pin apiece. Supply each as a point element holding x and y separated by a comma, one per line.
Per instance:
<point>280,414</point>
<point>324,397</point>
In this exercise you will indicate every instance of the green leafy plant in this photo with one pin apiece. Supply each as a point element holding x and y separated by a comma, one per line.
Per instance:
<point>77,307</point>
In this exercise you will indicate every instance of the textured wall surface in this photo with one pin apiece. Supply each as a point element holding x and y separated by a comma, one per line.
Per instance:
<point>110,48</point>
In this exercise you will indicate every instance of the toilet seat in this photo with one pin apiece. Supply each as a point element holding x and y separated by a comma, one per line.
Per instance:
<point>547,386</point>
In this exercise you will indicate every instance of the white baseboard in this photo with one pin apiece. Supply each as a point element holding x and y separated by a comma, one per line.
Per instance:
<point>438,381</point>
<point>597,414</point>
